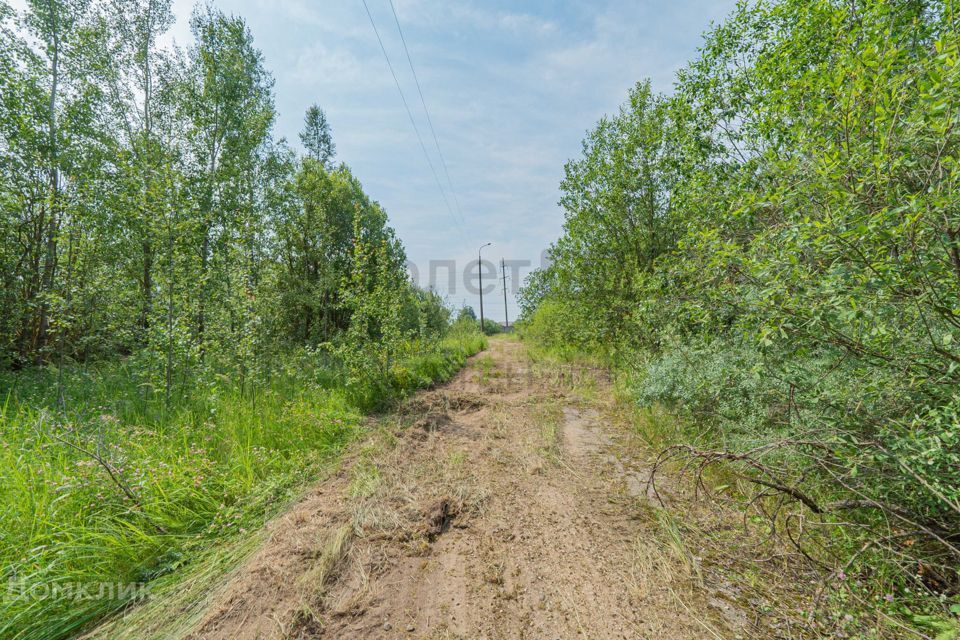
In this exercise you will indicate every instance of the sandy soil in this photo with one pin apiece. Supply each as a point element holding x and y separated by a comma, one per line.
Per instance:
<point>501,505</point>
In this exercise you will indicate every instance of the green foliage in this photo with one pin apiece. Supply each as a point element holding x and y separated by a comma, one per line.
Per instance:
<point>373,294</point>
<point>709,382</point>
<point>491,327</point>
<point>552,325</point>
<point>466,315</point>
<point>426,311</point>
<point>316,136</point>
<point>925,451</point>
<point>773,252</point>
<point>317,242</point>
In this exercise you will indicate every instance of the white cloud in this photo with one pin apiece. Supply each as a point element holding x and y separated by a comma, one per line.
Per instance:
<point>319,63</point>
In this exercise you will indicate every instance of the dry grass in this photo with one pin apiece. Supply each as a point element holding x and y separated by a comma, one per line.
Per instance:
<point>313,583</point>
<point>676,544</point>
<point>549,416</point>
<point>390,497</point>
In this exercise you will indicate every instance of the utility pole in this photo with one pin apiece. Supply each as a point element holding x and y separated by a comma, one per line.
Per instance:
<point>506,315</point>
<point>480,266</point>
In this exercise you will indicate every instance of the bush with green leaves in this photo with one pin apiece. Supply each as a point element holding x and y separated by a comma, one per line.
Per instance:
<point>466,312</point>
<point>491,327</point>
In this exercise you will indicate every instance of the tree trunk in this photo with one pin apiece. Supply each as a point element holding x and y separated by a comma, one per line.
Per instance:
<point>146,288</point>
<point>201,306</point>
<point>50,258</point>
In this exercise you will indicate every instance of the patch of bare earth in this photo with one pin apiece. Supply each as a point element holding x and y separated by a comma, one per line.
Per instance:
<point>497,506</point>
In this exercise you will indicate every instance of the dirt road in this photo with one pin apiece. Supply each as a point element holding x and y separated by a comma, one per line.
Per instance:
<point>501,505</point>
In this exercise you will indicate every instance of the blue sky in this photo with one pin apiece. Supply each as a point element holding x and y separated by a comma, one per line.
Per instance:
<point>511,86</point>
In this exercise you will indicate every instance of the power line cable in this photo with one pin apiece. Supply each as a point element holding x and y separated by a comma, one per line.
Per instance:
<point>436,141</point>
<point>413,122</point>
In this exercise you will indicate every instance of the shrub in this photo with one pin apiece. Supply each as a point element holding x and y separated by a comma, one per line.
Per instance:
<point>490,327</point>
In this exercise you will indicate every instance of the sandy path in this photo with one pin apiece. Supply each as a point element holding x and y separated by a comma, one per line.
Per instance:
<point>497,506</point>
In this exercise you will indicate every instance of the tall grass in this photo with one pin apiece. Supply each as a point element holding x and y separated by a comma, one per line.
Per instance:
<point>98,502</point>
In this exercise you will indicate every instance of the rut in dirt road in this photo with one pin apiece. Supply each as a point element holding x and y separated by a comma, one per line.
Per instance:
<point>492,508</point>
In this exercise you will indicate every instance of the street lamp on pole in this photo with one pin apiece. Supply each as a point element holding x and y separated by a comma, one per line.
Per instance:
<point>480,267</point>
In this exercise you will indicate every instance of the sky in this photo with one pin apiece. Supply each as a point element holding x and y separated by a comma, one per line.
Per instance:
<point>511,87</point>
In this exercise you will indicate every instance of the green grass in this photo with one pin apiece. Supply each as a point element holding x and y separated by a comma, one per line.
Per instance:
<point>77,544</point>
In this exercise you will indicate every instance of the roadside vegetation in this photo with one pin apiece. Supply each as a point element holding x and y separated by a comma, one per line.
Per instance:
<point>490,327</point>
<point>771,254</point>
<point>194,320</point>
